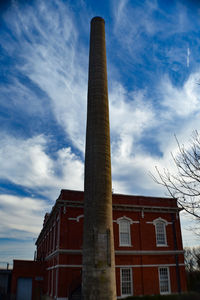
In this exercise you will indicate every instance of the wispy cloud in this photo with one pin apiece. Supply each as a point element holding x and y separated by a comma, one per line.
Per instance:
<point>131,23</point>
<point>188,57</point>
<point>17,249</point>
<point>21,217</point>
<point>181,101</point>
<point>49,56</point>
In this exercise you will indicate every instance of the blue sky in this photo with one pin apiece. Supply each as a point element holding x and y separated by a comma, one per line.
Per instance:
<point>153,68</point>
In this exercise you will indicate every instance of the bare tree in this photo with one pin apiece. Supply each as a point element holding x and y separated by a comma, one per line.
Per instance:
<point>190,261</point>
<point>184,185</point>
<point>192,267</point>
<point>196,253</point>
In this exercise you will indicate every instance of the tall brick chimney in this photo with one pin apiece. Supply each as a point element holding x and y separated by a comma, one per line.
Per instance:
<point>98,246</point>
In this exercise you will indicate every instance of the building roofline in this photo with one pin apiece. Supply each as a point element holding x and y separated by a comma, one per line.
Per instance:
<point>124,206</point>
<point>121,194</point>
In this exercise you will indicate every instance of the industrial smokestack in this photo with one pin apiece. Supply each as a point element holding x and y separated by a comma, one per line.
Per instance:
<point>98,246</point>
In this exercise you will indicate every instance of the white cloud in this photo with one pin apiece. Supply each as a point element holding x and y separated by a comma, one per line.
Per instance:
<point>16,249</point>
<point>119,10</point>
<point>132,119</point>
<point>50,56</point>
<point>130,116</point>
<point>21,217</point>
<point>26,163</point>
<point>22,99</point>
<point>181,101</point>
<point>130,23</point>
<point>190,239</point>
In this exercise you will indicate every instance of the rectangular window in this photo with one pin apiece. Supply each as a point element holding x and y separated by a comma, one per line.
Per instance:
<point>164,280</point>
<point>126,282</point>
<point>124,229</point>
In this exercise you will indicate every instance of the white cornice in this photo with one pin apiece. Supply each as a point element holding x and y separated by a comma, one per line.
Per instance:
<point>119,207</point>
<point>119,266</point>
<point>148,252</point>
<point>118,252</point>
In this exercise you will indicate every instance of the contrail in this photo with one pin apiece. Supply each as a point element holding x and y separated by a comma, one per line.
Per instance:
<point>188,57</point>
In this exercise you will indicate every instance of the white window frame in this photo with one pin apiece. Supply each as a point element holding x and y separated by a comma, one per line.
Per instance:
<point>119,222</point>
<point>131,281</point>
<point>164,222</point>
<point>168,277</point>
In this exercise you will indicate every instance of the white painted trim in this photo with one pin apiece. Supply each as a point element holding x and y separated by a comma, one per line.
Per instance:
<point>62,298</point>
<point>64,266</point>
<point>49,282</point>
<point>51,294</point>
<point>129,221</point>
<point>58,234</point>
<point>167,223</point>
<point>77,251</point>
<point>77,219</point>
<point>56,283</point>
<point>148,266</point>
<point>57,251</point>
<point>119,252</point>
<point>167,209</point>
<point>54,237</point>
<point>131,279</point>
<point>169,291</point>
<point>126,218</point>
<point>164,222</point>
<point>147,252</point>
<point>119,266</point>
<point>133,222</point>
<point>158,220</point>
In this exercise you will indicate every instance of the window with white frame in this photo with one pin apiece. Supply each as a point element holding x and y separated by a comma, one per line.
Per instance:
<point>126,282</point>
<point>160,227</point>
<point>124,232</point>
<point>164,280</point>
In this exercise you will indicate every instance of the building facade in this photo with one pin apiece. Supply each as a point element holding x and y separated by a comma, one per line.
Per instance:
<point>149,255</point>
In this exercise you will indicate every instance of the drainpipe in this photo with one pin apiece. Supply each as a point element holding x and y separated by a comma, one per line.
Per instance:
<point>176,255</point>
<point>141,259</point>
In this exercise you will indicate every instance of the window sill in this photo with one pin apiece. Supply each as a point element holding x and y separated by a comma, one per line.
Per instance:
<point>124,296</point>
<point>162,245</point>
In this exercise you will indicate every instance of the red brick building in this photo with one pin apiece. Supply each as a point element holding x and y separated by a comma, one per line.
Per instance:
<point>28,280</point>
<point>148,246</point>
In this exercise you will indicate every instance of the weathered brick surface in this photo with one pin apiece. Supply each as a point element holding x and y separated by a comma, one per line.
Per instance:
<point>98,247</point>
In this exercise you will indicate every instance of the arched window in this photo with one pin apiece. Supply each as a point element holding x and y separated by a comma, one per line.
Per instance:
<point>160,227</point>
<point>124,232</point>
